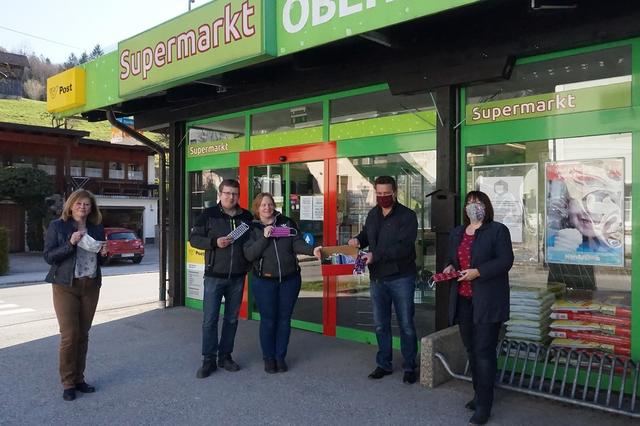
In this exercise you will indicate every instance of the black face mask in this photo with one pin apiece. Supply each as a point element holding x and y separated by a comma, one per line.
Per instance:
<point>384,201</point>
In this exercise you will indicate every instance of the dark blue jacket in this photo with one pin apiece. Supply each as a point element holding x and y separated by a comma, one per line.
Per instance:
<point>492,255</point>
<point>275,258</point>
<point>61,254</point>
<point>392,240</point>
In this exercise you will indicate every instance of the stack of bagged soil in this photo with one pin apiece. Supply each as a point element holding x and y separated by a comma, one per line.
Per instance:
<point>529,317</point>
<point>591,325</point>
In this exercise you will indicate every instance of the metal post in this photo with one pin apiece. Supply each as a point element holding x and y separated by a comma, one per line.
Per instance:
<point>162,290</point>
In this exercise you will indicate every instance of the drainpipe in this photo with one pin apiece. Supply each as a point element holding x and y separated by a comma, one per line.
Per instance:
<point>162,301</point>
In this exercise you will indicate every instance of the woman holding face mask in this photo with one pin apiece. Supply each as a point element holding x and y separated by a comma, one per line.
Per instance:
<point>273,246</point>
<point>72,247</point>
<point>481,251</point>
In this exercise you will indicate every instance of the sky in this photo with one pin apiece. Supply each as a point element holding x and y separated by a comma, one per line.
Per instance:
<point>78,25</point>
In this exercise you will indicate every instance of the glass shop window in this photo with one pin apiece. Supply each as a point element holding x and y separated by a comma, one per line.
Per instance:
<point>567,204</point>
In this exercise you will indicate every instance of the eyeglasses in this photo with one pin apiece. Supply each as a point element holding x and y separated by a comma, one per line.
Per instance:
<point>231,194</point>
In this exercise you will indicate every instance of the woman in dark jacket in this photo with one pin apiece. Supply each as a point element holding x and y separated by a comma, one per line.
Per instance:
<point>276,277</point>
<point>72,246</point>
<point>479,301</point>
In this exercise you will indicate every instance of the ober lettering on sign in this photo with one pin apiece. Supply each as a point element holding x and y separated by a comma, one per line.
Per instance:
<point>322,11</point>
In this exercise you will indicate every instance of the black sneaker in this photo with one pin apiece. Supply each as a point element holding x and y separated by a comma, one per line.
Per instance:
<point>270,366</point>
<point>409,377</point>
<point>480,417</point>
<point>208,367</point>
<point>228,363</point>
<point>471,405</point>
<point>69,394</point>
<point>379,373</point>
<point>281,365</point>
<point>85,388</point>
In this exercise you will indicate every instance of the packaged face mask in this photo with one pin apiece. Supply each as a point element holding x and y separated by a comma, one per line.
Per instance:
<point>90,244</point>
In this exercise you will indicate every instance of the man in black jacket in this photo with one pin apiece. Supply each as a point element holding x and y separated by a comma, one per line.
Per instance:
<point>224,274</point>
<point>390,232</point>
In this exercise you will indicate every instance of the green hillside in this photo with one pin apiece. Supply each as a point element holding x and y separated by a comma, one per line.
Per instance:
<point>27,111</point>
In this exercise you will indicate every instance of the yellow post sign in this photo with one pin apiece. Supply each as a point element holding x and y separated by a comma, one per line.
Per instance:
<point>66,90</point>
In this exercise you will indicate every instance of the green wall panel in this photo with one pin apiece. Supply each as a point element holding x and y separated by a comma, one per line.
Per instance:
<point>387,144</point>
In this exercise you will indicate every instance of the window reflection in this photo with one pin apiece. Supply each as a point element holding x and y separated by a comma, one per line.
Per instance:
<point>415,175</point>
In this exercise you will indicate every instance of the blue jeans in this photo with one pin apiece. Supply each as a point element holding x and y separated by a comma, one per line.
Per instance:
<point>275,301</point>
<point>214,290</point>
<point>399,292</point>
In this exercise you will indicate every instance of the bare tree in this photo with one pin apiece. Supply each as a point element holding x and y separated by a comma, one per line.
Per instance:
<point>34,89</point>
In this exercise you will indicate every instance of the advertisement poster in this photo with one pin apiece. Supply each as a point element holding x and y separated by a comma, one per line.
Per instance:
<point>195,273</point>
<point>306,207</point>
<point>506,193</point>
<point>585,212</point>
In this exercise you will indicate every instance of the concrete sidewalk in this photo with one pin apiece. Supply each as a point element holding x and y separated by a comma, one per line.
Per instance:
<point>144,368</point>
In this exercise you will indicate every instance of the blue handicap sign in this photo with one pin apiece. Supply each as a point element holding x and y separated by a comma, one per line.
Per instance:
<point>309,238</point>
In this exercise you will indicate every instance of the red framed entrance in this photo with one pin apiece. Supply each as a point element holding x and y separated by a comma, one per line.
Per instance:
<point>325,152</point>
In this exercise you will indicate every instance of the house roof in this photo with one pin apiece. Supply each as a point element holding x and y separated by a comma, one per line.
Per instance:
<point>104,144</point>
<point>13,59</point>
<point>25,128</point>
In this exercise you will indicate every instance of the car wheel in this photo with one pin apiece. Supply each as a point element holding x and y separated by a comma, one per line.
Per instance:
<point>137,259</point>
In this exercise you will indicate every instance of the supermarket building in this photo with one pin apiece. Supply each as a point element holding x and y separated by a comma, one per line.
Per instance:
<point>311,100</point>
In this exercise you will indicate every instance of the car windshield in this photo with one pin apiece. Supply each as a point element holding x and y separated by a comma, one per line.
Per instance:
<point>123,236</point>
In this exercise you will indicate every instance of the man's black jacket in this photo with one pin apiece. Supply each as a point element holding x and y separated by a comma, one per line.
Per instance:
<point>212,224</point>
<point>392,240</point>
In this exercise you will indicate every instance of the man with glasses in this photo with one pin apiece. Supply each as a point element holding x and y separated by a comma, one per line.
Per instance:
<point>390,232</point>
<point>224,274</point>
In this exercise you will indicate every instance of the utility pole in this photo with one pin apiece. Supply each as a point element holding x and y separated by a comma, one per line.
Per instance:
<point>190,1</point>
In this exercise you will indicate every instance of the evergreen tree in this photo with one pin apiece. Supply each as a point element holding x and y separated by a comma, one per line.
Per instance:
<point>72,61</point>
<point>83,58</point>
<point>96,52</point>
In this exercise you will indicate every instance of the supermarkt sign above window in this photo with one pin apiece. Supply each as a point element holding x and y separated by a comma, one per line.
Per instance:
<point>616,95</point>
<point>307,23</point>
<point>216,37</point>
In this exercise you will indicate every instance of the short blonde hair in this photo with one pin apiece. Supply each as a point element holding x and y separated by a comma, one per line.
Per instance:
<point>94,217</point>
<point>255,206</point>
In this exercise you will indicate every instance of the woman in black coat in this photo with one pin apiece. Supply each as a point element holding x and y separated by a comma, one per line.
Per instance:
<point>479,301</point>
<point>72,247</point>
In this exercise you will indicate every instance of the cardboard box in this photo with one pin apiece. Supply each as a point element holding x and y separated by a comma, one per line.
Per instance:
<point>329,269</point>
<point>348,250</point>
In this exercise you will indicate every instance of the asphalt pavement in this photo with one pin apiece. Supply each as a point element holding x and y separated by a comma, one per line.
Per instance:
<point>143,362</point>
<point>30,267</point>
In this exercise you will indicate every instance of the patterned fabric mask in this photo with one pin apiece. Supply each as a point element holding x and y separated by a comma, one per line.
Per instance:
<point>475,211</point>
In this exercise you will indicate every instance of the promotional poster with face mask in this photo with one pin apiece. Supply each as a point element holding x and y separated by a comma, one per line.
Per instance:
<point>506,193</point>
<point>585,212</point>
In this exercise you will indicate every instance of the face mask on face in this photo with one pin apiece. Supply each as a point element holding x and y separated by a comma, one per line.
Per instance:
<point>475,211</point>
<point>384,201</point>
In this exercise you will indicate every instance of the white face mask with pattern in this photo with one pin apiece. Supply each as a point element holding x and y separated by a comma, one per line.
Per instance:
<point>475,211</point>
<point>90,244</point>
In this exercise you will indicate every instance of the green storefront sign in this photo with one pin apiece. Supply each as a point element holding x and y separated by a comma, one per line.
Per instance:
<point>214,38</point>
<point>307,23</point>
<point>565,102</point>
<point>196,150</point>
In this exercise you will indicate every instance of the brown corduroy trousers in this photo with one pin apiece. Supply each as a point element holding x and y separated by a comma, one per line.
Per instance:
<point>75,307</point>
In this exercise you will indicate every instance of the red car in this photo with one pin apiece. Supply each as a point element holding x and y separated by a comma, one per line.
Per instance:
<point>123,244</point>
